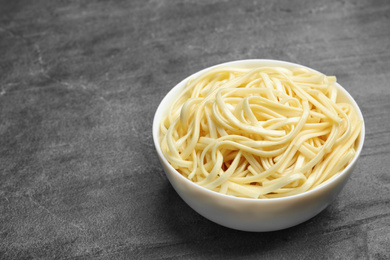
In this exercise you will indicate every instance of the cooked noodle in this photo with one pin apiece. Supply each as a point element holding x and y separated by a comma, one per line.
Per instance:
<point>265,132</point>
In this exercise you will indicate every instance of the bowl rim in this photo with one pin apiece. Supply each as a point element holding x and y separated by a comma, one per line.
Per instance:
<point>170,96</point>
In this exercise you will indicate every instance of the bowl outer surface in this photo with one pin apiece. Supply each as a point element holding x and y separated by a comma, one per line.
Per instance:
<point>253,214</point>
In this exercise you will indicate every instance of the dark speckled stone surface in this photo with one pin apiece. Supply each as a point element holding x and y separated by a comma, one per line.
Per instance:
<point>80,82</point>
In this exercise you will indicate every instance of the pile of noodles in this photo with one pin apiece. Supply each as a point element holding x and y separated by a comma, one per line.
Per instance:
<point>265,132</point>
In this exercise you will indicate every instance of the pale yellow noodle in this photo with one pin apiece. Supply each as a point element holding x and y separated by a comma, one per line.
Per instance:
<point>260,133</point>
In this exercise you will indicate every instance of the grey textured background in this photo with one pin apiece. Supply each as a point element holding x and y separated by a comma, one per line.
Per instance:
<point>79,85</point>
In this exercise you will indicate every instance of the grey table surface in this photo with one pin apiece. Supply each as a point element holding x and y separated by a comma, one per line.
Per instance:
<point>80,82</point>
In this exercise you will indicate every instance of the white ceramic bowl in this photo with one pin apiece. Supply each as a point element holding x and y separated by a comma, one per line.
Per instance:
<point>253,214</point>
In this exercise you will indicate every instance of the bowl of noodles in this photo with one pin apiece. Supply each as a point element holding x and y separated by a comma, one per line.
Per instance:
<point>258,145</point>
